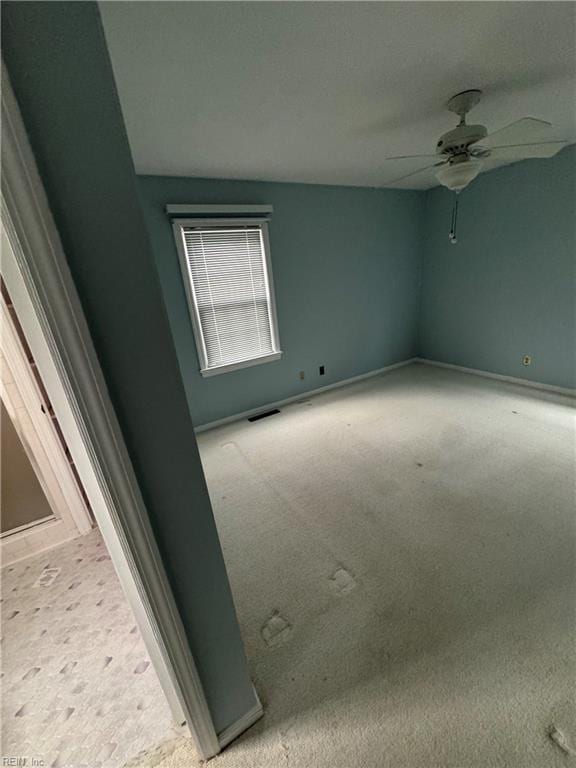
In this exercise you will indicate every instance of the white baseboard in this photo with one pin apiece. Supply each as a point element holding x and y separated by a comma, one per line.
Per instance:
<point>500,377</point>
<point>300,396</point>
<point>242,724</point>
<point>31,540</point>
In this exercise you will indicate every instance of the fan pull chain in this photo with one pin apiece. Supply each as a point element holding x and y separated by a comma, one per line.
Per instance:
<point>452,235</point>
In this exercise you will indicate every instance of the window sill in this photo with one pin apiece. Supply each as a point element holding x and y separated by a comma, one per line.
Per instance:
<point>206,372</point>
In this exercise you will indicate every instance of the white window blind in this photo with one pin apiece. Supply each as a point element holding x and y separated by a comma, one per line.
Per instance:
<point>229,285</point>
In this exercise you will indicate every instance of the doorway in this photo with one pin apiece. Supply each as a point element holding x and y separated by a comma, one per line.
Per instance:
<point>42,293</point>
<point>79,686</point>
<point>43,500</point>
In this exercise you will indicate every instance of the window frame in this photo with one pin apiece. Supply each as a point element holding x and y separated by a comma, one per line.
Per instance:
<point>215,222</point>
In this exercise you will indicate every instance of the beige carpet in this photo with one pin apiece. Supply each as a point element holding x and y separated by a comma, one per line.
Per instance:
<point>402,556</point>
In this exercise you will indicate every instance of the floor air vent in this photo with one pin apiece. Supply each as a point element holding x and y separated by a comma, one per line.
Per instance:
<point>263,415</point>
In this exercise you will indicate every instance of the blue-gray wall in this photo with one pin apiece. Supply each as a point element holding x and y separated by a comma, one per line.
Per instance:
<point>346,267</point>
<point>508,288</point>
<point>58,62</point>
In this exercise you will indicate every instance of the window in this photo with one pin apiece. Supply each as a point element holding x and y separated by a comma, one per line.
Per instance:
<point>226,271</point>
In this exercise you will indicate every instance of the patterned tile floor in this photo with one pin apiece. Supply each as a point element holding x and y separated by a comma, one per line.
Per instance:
<point>78,688</point>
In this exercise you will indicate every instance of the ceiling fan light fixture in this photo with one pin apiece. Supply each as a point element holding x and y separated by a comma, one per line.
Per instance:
<point>456,176</point>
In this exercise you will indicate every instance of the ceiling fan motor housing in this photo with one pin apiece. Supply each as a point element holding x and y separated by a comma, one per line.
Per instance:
<point>458,140</point>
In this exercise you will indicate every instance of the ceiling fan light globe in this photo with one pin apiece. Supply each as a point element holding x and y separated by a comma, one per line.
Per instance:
<point>457,176</point>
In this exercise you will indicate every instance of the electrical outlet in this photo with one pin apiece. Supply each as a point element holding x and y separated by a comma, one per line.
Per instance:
<point>527,360</point>
<point>322,370</point>
<point>300,374</point>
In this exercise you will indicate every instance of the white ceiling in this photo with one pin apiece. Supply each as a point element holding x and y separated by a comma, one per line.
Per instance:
<point>323,92</point>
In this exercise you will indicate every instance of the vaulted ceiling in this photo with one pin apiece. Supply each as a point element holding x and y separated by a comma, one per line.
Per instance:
<point>323,92</point>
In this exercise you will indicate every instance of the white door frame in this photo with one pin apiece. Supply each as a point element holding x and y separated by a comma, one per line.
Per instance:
<point>53,468</point>
<point>26,407</point>
<point>36,274</point>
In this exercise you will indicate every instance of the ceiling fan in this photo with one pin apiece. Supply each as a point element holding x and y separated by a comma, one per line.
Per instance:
<point>461,153</point>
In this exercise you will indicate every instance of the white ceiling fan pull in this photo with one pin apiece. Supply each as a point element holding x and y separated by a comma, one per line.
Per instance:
<point>452,237</point>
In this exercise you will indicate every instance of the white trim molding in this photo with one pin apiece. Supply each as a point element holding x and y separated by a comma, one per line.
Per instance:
<point>30,418</point>
<point>30,540</point>
<point>23,400</point>
<point>179,226</point>
<point>216,210</point>
<point>218,369</point>
<point>41,288</point>
<point>302,395</point>
<point>242,724</point>
<point>499,377</point>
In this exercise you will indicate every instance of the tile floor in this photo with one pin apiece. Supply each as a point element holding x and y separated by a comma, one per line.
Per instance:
<point>78,687</point>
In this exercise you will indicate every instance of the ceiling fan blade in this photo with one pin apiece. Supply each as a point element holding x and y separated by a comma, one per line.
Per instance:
<point>415,173</point>
<point>411,157</point>
<point>523,131</point>
<point>527,151</point>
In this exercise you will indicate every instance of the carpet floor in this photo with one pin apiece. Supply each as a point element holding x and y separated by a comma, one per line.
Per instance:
<point>402,556</point>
